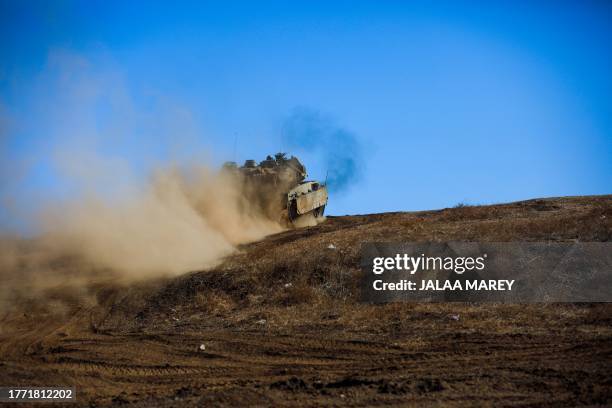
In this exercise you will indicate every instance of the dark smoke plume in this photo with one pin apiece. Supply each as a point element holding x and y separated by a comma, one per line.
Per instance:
<point>340,150</point>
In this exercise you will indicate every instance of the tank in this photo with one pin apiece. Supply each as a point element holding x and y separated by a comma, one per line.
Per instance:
<point>277,187</point>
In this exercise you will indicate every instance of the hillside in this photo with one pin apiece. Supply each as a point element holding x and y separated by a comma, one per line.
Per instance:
<point>280,323</point>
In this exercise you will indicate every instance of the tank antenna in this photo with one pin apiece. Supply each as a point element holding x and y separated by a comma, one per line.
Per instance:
<point>326,174</point>
<point>235,145</point>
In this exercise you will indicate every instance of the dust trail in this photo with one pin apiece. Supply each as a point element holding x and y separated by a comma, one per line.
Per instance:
<point>179,220</point>
<point>104,197</point>
<point>341,151</point>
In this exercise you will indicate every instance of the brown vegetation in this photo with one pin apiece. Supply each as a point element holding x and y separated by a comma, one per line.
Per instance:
<point>282,325</point>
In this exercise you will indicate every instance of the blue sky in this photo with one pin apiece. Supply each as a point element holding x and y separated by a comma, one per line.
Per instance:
<point>446,102</point>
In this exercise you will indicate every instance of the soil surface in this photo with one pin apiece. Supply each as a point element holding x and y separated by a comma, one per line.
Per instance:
<point>279,323</point>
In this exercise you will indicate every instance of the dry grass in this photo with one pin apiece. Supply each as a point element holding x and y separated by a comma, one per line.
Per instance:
<point>298,271</point>
<point>283,325</point>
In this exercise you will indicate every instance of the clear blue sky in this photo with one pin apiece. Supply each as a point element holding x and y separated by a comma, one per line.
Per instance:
<point>446,102</point>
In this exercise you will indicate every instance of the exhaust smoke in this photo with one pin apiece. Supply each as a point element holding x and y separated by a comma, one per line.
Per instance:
<point>339,149</point>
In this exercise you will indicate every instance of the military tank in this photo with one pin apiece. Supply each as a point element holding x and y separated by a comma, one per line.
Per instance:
<point>277,186</point>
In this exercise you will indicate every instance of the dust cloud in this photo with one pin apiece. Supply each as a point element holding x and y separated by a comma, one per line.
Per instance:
<point>105,187</point>
<point>178,220</point>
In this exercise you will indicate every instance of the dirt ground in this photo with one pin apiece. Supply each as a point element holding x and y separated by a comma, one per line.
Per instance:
<point>279,323</point>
